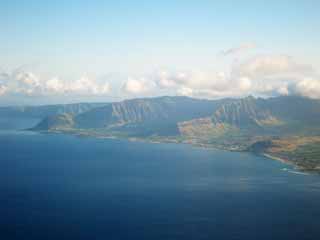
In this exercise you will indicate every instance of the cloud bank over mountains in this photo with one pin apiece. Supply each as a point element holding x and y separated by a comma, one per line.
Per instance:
<point>29,84</point>
<point>260,75</point>
<point>263,75</point>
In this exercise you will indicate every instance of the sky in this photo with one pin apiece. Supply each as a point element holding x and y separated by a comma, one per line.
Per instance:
<point>70,51</point>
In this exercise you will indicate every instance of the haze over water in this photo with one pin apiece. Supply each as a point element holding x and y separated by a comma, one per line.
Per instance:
<point>66,187</point>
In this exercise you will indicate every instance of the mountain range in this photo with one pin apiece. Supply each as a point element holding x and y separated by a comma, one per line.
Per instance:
<point>286,127</point>
<point>137,117</point>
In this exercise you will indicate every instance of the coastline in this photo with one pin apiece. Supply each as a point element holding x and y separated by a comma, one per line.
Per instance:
<point>282,160</point>
<point>288,162</point>
<point>193,144</point>
<point>267,155</point>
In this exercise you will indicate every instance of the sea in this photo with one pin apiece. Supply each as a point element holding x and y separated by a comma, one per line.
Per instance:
<point>56,186</point>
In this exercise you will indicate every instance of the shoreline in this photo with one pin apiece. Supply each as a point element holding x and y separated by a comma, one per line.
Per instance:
<point>282,160</point>
<point>197,145</point>
<point>267,155</point>
<point>288,162</point>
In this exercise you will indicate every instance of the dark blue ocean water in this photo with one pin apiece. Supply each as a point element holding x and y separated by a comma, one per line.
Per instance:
<point>66,187</point>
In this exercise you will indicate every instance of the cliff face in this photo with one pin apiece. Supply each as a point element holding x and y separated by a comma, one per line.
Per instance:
<point>299,109</point>
<point>126,112</point>
<point>146,116</point>
<point>191,117</point>
<point>247,112</point>
<point>196,127</point>
<point>281,115</point>
<point>137,111</point>
<point>59,121</point>
<point>272,112</point>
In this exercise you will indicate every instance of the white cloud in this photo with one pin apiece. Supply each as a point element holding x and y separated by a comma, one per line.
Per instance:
<point>28,83</point>
<point>85,86</point>
<point>28,79</point>
<point>190,79</point>
<point>273,74</point>
<point>239,49</point>
<point>24,83</point>
<point>3,90</point>
<point>168,79</point>
<point>105,88</point>
<point>55,85</point>
<point>271,65</point>
<point>284,91</point>
<point>136,86</point>
<point>185,91</point>
<point>308,87</point>
<point>201,84</point>
<point>245,84</point>
<point>82,86</point>
<point>264,75</point>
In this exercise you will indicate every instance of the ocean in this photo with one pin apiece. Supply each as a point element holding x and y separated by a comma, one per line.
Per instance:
<point>55,186</point>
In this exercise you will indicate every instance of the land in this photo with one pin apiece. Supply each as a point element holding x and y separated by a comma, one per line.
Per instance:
<point>301,151</point>
<point>282,128</point>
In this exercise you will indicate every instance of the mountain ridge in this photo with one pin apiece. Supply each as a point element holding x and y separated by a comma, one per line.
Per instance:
<point>158,113</point>
<point>244,124</point>
<point>241,113</point>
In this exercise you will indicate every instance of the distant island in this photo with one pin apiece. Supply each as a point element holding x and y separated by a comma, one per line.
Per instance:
<point>286,128</point>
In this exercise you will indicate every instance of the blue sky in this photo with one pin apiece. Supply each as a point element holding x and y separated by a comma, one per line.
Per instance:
<point>138,41</point>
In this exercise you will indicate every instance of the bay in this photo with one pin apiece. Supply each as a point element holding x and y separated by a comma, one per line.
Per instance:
<point>67,187</point>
